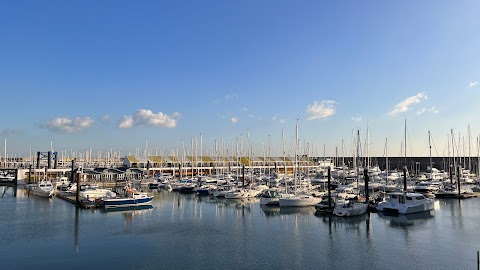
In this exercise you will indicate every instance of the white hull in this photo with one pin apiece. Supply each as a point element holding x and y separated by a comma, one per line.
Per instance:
<point>406,206</point>
<point>42,193</point>
<point>299,201</point>
<point>350,210</point>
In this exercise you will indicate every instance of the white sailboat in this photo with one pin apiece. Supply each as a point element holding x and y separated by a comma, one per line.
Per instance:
<point>298,200</point>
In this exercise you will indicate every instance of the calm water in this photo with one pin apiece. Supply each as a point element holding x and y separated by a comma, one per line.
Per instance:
<point>189,232</point>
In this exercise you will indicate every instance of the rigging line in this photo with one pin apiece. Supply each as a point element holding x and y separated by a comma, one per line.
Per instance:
<point>433,142</point>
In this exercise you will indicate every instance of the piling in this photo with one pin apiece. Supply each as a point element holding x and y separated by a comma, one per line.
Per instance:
<point>366,178</point>
<point>458,181</point>
<point>329,177</point>
<point>405,179</point>
<point>478,260</point>
<point>243,175</point>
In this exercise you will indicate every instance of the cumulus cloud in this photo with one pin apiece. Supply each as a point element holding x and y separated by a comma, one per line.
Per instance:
<point>67,125</point>
<point>404,106</point>
<point>322,109</point>
<point>472,84</point>
<point>425,110</point>
<point>234,120</point>
<point>231,96</point>
<point>145,117</point>
<point>106,118</point>
<point>357,119</point>
<point>275,118</point>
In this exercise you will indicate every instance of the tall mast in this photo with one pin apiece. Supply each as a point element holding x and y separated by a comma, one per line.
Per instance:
<point>296,158</point>
<point>469,150</point>
<point>386,157</point>
<point>405,144</point>
<point>430,148</point>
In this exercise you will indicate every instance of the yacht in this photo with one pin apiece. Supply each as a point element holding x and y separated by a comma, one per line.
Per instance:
<point>299,201</point>
<point>43,188</point>
<point>406,203</point>
<point>351,209</point>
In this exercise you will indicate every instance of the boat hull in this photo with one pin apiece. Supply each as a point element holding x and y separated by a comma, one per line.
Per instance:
<point>299,201</point>
<point>126,202</point>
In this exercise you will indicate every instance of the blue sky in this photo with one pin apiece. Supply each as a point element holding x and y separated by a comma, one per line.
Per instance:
<point>116,74</point>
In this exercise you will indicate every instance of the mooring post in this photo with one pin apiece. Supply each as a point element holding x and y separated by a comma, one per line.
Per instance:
<point>30,174</point>
<point>329,177</point>
<point>458,181</point>
<point>243,175</point>
<point>366,178</point>
<point>478,260</point>
<point>405,179</point>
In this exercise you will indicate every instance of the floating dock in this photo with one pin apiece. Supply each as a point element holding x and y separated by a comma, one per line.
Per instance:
<point>456,196</point>
<point>72,199</point>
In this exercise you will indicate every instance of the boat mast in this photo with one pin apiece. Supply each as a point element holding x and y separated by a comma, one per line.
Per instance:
<point>386,160</point>
<point>430,149</point>
<point>405,144</point>
<point>357,155</point>
<point>296,158</point>
<point>469,150</point>
<point>284,164</point>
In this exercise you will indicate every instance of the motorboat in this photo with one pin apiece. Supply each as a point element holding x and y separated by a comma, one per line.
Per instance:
<point>271,197</point>
<point>43,189</point>
<point>133,200</point>
<point>350,209</point>
<point>406,203</point>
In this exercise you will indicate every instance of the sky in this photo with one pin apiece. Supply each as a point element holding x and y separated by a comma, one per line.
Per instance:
<point>163,76</point>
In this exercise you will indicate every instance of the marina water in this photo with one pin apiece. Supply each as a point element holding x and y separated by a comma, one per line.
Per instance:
<point>185,231</point>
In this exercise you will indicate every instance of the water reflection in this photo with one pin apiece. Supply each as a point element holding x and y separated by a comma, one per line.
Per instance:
<point>76,239</point>
<point>271,210</point>
<point>330,218</point>
<point>8,191</point>
<point>126,210</point>
<point>406,220</point>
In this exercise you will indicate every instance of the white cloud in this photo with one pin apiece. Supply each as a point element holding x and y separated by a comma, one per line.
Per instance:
<point>9,132</point>
<point>231,96</point>
<point>106,118</point>
<point>281,121</point>
<point>67,125</point>
<point>322,109</point>
<point>472,84</point>
<point>424,110</point>
<point>234,120</point>
<point>357,119</point>
<point>145,117</point>
<point>404,106</point>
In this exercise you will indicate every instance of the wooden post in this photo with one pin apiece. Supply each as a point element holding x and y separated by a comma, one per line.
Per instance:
<point>30,174</point>
<point>366,178</point>
<point>405,179</point>
<point>478,260</point>
<point>243,175</point>
<point>329,177</point>
<point>458,181</point>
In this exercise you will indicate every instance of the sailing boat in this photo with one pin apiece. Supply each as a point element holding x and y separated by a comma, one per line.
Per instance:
<point>44,188</point>
<point>405,202</point>
<point>298,200</point>
<point>353,207</point>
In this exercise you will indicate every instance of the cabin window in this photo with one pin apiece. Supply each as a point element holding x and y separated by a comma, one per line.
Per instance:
<point>409,198</point>
<point>401,199</point>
